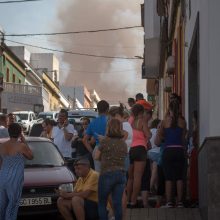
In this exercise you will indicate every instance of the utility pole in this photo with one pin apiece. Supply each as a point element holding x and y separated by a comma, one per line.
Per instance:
<point>1,70</point>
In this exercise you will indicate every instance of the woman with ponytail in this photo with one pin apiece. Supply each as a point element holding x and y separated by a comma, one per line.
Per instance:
<point>172,131</point>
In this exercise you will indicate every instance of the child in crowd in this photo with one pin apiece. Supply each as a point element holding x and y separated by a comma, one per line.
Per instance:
<point>112,153</point>
<point>153,155</point>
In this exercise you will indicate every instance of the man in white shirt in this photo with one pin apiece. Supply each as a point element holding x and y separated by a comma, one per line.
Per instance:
<point>63,133</point>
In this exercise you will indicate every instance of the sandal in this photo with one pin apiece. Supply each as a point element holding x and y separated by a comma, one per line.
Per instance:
<point>180,205</point>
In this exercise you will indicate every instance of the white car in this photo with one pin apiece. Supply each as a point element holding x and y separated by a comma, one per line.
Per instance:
<point>51,115</point>
<point>77,115</point>
<point>28,118</point>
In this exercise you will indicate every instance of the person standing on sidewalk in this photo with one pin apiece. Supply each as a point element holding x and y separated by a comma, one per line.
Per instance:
<point>172,130</point>
<point>137,153</point>
<point>97,129</point>
<point>12,158</point>
<point>112,153</point>
<point>62,134</point>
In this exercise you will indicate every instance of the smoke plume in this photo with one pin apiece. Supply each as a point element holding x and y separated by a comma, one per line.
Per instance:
<point>113,79</point>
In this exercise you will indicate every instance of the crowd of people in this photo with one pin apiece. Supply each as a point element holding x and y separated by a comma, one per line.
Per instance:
<point>122,157</point>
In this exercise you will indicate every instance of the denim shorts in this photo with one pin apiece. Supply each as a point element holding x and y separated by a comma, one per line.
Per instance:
<point>153,156</point>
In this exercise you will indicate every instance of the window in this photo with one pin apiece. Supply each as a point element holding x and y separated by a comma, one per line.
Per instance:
<point>19,81</point>
<point>13,78</point>
<point>55,76</point>
<point>7,75</point>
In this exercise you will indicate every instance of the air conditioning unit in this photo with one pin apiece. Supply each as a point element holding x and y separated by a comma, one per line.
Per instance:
<point>168,84</point>
<point>152,58</point>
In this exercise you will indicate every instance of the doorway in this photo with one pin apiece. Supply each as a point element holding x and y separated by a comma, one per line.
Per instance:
<point>193,76</point>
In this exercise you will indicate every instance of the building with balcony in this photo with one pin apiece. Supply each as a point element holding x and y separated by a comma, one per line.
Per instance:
<point>18,97</point>
<point>164,51</point>
<point>189,66</point>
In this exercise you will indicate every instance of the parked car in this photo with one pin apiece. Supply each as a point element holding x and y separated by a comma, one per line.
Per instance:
<point>42,175</point>
<point>51,115</point>
<point>36,129</point>
<point>28,118</point>
<point>76,115</point>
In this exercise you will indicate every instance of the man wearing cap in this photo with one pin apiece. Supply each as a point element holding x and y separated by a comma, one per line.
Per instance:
<point>83,201</point>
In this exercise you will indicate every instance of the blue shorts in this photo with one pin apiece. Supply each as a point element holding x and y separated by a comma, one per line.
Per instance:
<point>153,156</point>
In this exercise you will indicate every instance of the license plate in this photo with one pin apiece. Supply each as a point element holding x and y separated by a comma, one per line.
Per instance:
<point>35,201</point>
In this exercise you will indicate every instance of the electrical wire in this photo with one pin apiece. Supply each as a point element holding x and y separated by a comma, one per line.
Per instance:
<point>71,32</point>
<point>54,41</point>
<point>74,53</point>
<point>19,1</point>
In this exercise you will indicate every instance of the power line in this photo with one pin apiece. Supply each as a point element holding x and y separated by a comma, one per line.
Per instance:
<point>54,41</point>
<point>19,1</point>
<point>71,32</point>
<point>75,53</point>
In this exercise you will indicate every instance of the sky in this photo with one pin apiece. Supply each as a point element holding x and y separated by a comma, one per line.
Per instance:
<point>114,79</point>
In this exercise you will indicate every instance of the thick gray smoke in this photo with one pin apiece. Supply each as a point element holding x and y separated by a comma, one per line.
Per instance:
<point>115,79</point>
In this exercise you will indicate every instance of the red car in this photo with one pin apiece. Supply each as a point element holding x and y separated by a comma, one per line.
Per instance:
<point>42,175</point>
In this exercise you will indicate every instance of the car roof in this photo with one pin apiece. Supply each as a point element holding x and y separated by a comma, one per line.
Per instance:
<point>49,112</point>
<point>83,113</point>
<point>27,138</point>
<point>37,139</point>
<point>22,112</point>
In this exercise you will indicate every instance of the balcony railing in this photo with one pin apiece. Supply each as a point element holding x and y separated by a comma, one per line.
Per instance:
<point>22,89</point>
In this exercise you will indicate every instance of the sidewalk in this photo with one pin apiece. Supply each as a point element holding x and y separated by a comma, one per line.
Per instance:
<point>163,214</point>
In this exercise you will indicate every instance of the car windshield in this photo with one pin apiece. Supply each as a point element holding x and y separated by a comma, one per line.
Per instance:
<point>45,154</point>
<point>18,119</point>
<point>44,116</point>
<point>22,116</point>
<point>36,130</point>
